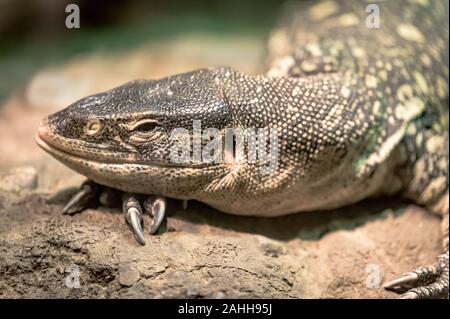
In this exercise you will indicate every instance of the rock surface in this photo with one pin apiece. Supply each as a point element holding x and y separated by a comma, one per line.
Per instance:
<point>18,179</point>
<point>346,253</point>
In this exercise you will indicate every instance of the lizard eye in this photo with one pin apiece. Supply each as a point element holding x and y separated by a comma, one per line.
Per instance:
<point>144,130</point>
<point>146,127</point>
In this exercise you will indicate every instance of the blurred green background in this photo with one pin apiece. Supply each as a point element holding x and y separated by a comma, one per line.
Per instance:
<point>33,32</point>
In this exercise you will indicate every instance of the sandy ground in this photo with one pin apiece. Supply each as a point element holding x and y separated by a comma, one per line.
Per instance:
<point>347,253</point>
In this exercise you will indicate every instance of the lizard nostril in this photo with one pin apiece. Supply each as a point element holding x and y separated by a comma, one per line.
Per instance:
<point>42,128</point>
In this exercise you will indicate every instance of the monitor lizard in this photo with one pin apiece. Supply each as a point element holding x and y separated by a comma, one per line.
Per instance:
<point>358,111</point>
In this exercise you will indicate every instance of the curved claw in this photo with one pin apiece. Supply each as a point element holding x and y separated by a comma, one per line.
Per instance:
<point>133,216</point>
<point>135,219</point>
<point>157,208</point>
<point>80,199</point>
<point>407,279</point>
<point>425,282</point>
<point>409,295</point>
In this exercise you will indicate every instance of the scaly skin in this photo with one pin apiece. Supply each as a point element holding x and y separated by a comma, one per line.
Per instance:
<point>359,112</point>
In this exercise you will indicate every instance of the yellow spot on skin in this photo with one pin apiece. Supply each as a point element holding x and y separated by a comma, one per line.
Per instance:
<point>442,164</point>
<point>425,60</point>
<point>400,111</point>
<point>391,120</point>
<point>323,10</point>
<point>308,66</point>
<point>419,171</point>
<point>411,130</point>
<point>419,139</point>
<point>370,81</point>
<point>404,92</point>
<point>279,43</point>
<point>420,2</point>
<point>383,75</point>
<point>376,107</point>
<point>435,144</point>
<point>345,91</point>
<point>415,107</point>
<point>436,186</point>
<point>348,19</point>
<point>410,110</point>
<point>281,66</point>
<point>420,167</point>
<point>358,52</point>
<point>386,149</point>
<point>442,88</point>
<point>410,33</point>
<point>421,82</point>
<point>314,49</point>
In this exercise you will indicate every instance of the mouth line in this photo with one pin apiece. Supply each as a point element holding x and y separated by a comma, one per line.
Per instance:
<point>59,153</point>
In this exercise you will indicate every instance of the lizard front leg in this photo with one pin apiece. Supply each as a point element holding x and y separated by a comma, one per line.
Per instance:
<point>91,195</point>
<point>429,187</point>
<point>86,196</point>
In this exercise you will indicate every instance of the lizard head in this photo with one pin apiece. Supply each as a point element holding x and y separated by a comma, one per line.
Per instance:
<point>124,138</point>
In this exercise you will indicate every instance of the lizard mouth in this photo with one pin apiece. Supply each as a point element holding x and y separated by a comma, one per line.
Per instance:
<point>51,149</point>
<point>68,150</point>
<point>58,153</point>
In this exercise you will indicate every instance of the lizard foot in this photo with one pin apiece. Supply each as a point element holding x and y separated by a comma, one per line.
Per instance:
<point>91,195</point>
<point>134,216</point>
<point>155,206</point>
<point>85,197</point>
<point>424,282</point>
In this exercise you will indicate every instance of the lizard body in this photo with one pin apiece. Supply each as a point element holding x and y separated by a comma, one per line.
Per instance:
<point>358,112</point>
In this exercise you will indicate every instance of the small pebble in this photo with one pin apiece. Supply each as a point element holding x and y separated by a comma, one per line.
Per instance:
<point>127,276</point>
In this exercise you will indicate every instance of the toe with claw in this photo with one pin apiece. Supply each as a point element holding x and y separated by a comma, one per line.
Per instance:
<point>134,217</point>
<point>424,282</point>
<point>156,207</point>
<point>85,197</point>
